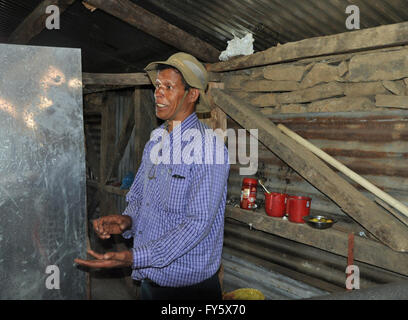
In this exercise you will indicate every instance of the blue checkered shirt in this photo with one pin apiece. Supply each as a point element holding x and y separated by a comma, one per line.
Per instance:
<point>177,209</point>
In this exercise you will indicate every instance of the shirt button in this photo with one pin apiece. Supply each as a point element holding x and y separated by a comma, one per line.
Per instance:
<point>140,232</point>
<point>147,204</point>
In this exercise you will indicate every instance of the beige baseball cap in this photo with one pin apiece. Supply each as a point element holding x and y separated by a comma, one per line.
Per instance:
<point>193,71</point>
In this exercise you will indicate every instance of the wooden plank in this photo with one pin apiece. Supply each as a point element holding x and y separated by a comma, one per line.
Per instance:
<point>157,27</point>
<point>284,72</point>
<point>391,101</point>
<point>358,89</point>
<point>265,100</point>
<point>365,39</point>
<point>378,66</point>
<point>35,22</point>
<point>375,219</point>
<point>396,87</point>
<point>320,73</point>
<point>291,108</point>
<point>115,79</point>
<point>342,104</point>
<point>269,86</point>
<point>86,90</point>
<point>332,240</point>
<point>322,91</point>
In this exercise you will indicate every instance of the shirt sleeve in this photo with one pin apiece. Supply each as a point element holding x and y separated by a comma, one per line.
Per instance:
<point>134,199</point>
<point>208,189</point>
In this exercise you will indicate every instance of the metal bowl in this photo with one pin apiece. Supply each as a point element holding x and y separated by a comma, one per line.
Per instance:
<point>319,222</point>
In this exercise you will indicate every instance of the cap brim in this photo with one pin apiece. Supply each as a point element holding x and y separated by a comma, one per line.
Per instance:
<point>151,69</point>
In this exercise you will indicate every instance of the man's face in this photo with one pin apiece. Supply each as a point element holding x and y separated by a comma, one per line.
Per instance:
<point>168,94</point>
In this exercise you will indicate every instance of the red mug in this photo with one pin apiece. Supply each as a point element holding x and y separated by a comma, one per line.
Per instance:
<point>298,207</point>
<point>275,204</point>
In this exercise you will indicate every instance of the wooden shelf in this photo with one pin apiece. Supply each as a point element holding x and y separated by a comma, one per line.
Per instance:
<point>332,240</point>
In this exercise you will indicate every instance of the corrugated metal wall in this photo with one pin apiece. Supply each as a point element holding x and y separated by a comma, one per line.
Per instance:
<point>284,269</point>
<point>373,145</point>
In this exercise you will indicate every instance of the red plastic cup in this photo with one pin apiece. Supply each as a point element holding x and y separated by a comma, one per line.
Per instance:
<point>298,207</point>
<point>275,204</point>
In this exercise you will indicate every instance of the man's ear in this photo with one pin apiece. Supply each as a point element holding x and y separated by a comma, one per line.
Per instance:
<point>193,95</point>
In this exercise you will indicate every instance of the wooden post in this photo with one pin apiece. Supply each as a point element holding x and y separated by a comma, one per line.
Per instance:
<point>108,132</point>
<point>375,219</point>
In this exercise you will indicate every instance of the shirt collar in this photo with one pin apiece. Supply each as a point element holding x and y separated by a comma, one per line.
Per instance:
<point>189,122</point>
<point>186,124</point>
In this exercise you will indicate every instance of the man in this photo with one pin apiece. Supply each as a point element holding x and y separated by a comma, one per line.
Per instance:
<point>176,206</point>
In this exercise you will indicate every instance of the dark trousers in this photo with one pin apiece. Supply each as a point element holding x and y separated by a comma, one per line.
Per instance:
<point>209,289</point>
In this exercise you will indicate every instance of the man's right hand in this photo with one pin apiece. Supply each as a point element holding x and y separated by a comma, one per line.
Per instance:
<point>113,224</point>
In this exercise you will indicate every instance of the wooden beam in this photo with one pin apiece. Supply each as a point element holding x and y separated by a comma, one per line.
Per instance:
<point>157,27</point>
<point>35,21</point>
<point>332,240</point>
<point>115,79</point>
<point>366,39</point>
<point>375,219</point>
<point>87,90</point>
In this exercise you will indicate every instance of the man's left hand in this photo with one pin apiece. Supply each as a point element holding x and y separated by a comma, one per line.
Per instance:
<point>108,260</point>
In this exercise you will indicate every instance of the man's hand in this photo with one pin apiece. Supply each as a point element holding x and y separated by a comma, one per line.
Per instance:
<point>113,224</point>
<point>108,260</point>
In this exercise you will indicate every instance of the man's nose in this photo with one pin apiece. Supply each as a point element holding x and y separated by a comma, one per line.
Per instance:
<point>158,91</point>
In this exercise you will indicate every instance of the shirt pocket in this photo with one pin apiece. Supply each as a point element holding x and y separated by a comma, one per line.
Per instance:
<point>178,188</point>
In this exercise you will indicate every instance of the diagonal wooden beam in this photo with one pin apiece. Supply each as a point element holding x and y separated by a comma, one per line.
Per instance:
<point>375,219</point>
<point>34,23</point>
<point>157,27</point>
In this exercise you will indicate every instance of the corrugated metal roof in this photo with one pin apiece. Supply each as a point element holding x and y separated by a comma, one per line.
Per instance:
<point>12,13</point>
<point>272,21</point>
<point>110,45</point>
